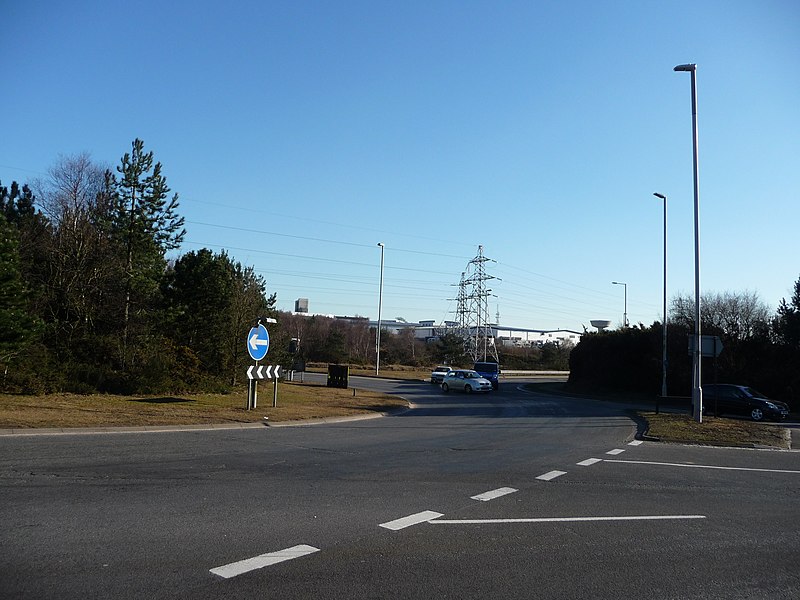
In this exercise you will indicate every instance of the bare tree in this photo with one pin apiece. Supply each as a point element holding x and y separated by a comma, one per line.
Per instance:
<point>736,315</point>
<point>80,269</point>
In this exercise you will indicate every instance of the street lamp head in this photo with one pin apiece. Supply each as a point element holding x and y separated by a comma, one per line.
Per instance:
<point>657,195</point>
<point>689,67</point>
<point>380,244</point>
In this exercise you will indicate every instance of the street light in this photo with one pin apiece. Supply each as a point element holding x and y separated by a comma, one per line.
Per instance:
<point>625,314</point>
<point>380,306</point>
<point>697,385</point>
<point>664,322</point>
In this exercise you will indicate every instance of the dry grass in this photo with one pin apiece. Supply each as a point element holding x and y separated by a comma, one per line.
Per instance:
<point>295,401</point>
<point>669,427</point>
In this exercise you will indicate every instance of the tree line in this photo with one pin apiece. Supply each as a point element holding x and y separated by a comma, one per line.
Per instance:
<point>90,301</point>
<point>760,349</point>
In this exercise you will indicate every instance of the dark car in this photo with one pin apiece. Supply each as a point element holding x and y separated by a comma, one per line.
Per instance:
<point>726,398</point>
<point>490,371</point>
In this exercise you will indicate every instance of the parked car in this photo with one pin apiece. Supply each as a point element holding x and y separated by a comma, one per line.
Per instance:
<point>725,398</point>
<point>467,381</point>
<point>437,375</point>
<point>490,371</point>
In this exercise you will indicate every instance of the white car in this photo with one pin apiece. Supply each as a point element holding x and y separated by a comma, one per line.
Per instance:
<point>437,376</point>
<point>467,381</point>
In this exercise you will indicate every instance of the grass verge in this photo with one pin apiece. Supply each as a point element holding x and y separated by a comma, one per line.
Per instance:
<point>296,401</point>
<point>717,431</point>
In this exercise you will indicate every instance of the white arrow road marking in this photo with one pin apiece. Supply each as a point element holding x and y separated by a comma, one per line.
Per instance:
<point>265,560</point>
<point>415,519</point>
<point>486,496</point>
<point>256,341</point>
<point>551,475</point>
<point>564,519</point>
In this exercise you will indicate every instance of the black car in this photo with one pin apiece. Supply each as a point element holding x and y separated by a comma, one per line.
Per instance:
<point>726,398</point>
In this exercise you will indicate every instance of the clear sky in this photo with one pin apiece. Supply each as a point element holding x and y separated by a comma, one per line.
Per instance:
<point>298,135</point>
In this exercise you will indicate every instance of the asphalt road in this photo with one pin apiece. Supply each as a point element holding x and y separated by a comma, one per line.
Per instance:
<point>507,495</point>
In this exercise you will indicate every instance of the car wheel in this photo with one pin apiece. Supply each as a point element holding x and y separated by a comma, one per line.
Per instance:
<point>468,389</point>
<point>445,388</point>
<point>757,414</point>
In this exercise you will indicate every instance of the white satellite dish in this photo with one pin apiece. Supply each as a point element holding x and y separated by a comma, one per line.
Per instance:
<point>600,324</point>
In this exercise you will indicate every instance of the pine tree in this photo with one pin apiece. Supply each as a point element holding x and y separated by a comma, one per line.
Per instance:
<point>146,225</point>
<point>17,327</point>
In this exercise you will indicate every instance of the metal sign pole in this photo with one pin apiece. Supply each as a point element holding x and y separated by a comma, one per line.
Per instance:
<point>275,393</point>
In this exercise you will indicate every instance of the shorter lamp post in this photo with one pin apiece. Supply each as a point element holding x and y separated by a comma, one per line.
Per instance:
<point>624,314</point>
<point>664,321</point>
<point>380,306</point>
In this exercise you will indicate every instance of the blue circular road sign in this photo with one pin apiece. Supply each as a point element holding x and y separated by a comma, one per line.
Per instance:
<point>258,342</point>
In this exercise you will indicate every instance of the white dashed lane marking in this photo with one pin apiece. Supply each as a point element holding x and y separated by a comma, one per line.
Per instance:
<point>415,519</point>
<point>264,560</point>
<point>615,451</point>
<point>635,443</point>
<point>589,462</point>
<point>486,496</point>
<point>551,475</point>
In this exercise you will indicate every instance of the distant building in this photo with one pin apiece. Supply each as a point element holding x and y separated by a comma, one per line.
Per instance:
<point>301,305</point>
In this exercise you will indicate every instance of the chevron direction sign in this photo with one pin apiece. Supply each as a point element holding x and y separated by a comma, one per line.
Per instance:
<point>264,372</point>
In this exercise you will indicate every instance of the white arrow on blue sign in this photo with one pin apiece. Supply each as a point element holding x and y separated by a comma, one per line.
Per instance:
<point>258,342</point>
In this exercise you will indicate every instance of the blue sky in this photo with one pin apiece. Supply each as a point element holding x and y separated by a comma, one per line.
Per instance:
<point>298,135</point>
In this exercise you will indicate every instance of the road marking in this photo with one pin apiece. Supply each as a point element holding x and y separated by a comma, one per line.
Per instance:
<point>265,560</point>
<point>635,443</point>
<point>589,462</point>
<point>565,519</point>
<point>415,519</point>
<point>663,464</point>
<point>551,475</point>
<point>615,451</point>
<point>486,496</point>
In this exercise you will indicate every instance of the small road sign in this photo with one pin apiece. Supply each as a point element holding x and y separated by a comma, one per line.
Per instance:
<point>710,345</point>
<point>258,342</point>
<point>264,372</point>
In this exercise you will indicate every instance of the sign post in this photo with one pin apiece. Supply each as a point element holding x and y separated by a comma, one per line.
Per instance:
<point>257,345</point>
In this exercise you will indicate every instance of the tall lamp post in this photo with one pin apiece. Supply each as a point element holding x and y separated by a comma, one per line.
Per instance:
<point>664,321</point>
<point>697,385</point>
<point>625,314</point>
<point>380,307</point>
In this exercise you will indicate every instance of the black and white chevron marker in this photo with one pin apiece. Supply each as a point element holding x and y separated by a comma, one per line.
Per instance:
<point>264,372</point>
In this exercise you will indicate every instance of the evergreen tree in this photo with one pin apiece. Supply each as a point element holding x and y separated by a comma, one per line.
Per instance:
<point>787,324</point>
<point>17,327</point>
<point>146,225</point>
<point>211,302</point>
